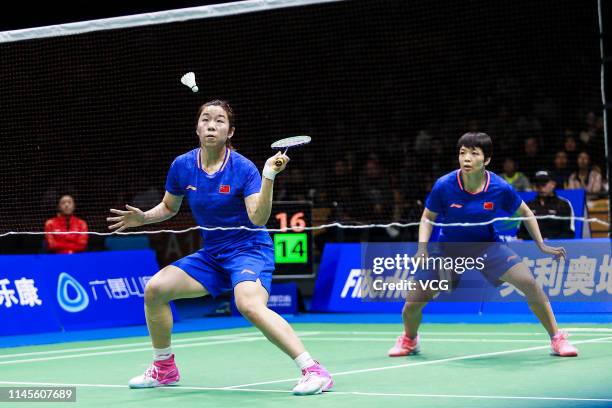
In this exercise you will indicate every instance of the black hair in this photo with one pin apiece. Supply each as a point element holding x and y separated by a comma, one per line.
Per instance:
<point>476,139</point>
<point>59,197</point>
<point>228,111</point>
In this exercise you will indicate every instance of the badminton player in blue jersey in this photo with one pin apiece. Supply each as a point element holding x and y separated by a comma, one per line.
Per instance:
<point>472,194</point>
<point>224,189</point>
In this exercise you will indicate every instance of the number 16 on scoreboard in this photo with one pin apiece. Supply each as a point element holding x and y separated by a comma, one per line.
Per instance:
<point>293,244</point>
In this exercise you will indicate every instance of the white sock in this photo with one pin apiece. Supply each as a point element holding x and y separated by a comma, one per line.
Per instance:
<point>304,360</point>
<point>162,354</point>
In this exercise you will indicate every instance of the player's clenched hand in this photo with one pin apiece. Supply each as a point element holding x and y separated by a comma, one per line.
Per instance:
<point>556,252</point>
<point>273,161</point>
<point>131,218</point>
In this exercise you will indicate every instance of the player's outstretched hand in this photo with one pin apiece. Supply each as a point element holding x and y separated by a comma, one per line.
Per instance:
<point>556,252</point>
<point>131,218</point>
<point>273,162</point>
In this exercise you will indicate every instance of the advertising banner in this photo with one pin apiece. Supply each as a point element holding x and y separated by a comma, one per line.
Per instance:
<point>42,293</point>
<point>376,277</point>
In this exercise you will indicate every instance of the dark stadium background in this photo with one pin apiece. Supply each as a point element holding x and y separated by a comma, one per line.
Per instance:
<point>101,115</point>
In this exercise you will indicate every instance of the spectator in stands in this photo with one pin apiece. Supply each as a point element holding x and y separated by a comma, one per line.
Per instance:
<point>375,188</point>
<point>296,185</point>
<point>562,172</point>
<point>588,131</point>
<point>532,158</point>
<point>148,198</point>
<point>570,146</point>
<point>586,177</point>
<point>66,221</point>
<point>548,203</point>
<point>592,136</point>
<point>516,179</point>
<point>342,186</point>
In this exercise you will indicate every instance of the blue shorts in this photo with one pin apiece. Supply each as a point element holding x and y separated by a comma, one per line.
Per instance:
<point>220,273</point>
<point>498,259</point>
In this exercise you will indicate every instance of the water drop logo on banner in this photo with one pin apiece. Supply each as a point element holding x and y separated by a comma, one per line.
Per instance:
<point>68,302</point>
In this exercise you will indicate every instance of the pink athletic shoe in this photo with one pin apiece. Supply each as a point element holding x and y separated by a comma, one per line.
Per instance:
<point>160,373</point>
<point>560,346</point>
<point>315,379</point>
<point>405,346</point>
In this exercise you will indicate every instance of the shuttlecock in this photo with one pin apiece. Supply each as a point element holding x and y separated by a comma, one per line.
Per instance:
<point>189,80</point>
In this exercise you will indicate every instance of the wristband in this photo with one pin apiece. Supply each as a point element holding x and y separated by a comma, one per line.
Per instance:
<point>269,173</point>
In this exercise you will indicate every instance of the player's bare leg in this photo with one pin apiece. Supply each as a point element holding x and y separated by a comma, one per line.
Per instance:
<point>412,313</point>
<point>168,284</point>
<point>251,300</point>
<point>521,278</point>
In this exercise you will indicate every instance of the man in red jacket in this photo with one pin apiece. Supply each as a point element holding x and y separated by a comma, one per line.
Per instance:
<point>66,221</point>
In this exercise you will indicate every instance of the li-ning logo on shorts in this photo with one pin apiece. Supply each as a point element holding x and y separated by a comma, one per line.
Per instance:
<point>190,187</point>
<point>71,304</point>
<point>248,271</point>
<point>453,205</point>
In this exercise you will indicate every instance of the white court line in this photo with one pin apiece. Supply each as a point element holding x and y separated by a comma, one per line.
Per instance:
<point>123,345</point>
<point>131,350</point>
<point>243,336</point>
<point>432,340</point>
<point>242,339</point>
<point>312,333</point>
<point>336,393</point>
<point>588,329</point>
<point>510,397</point>
<point>418,363</point>
<point>572,331</point>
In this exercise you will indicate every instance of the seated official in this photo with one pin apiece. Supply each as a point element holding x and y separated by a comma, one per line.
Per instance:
<point>548,203</point>
<point>66,221</point>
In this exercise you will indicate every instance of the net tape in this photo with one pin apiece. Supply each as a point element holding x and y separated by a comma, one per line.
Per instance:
<point>320,227</point>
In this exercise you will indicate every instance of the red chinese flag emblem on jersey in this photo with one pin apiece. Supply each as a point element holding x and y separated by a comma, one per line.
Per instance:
<point>224,189</point>
<point>488,205</point>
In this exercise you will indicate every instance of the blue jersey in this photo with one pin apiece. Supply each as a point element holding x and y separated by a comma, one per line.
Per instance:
<point>217,200</point>
<point>449,199</point>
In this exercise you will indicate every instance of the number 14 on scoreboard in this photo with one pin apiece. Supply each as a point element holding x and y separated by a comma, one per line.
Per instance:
<point>291,247</point>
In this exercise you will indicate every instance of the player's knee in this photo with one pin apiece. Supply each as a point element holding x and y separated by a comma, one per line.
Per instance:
<point>248,307</point>
<point>154,292</point>
<point>413,307</point>
<point>529,287</point>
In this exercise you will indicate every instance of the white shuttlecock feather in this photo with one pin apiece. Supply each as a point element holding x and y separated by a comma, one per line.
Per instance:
<point>189,80</point>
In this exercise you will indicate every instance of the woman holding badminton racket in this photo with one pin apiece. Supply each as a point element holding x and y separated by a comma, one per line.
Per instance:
<point>472,194</point>
<point>224,190</point>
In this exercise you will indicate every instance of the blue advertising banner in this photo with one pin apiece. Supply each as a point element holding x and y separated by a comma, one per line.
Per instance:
<point>100,289</point>
<point>27,302</point>
<point>582,283</point>
<point>41,293</point>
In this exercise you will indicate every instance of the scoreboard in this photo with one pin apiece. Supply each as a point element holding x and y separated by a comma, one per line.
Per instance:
<point>293,244</point>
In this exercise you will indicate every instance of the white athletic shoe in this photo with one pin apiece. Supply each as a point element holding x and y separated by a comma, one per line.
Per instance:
<point>160,373</point>
<point>315,380</point>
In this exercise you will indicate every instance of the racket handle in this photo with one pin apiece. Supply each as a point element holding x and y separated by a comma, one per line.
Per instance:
<point>279,162</point>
